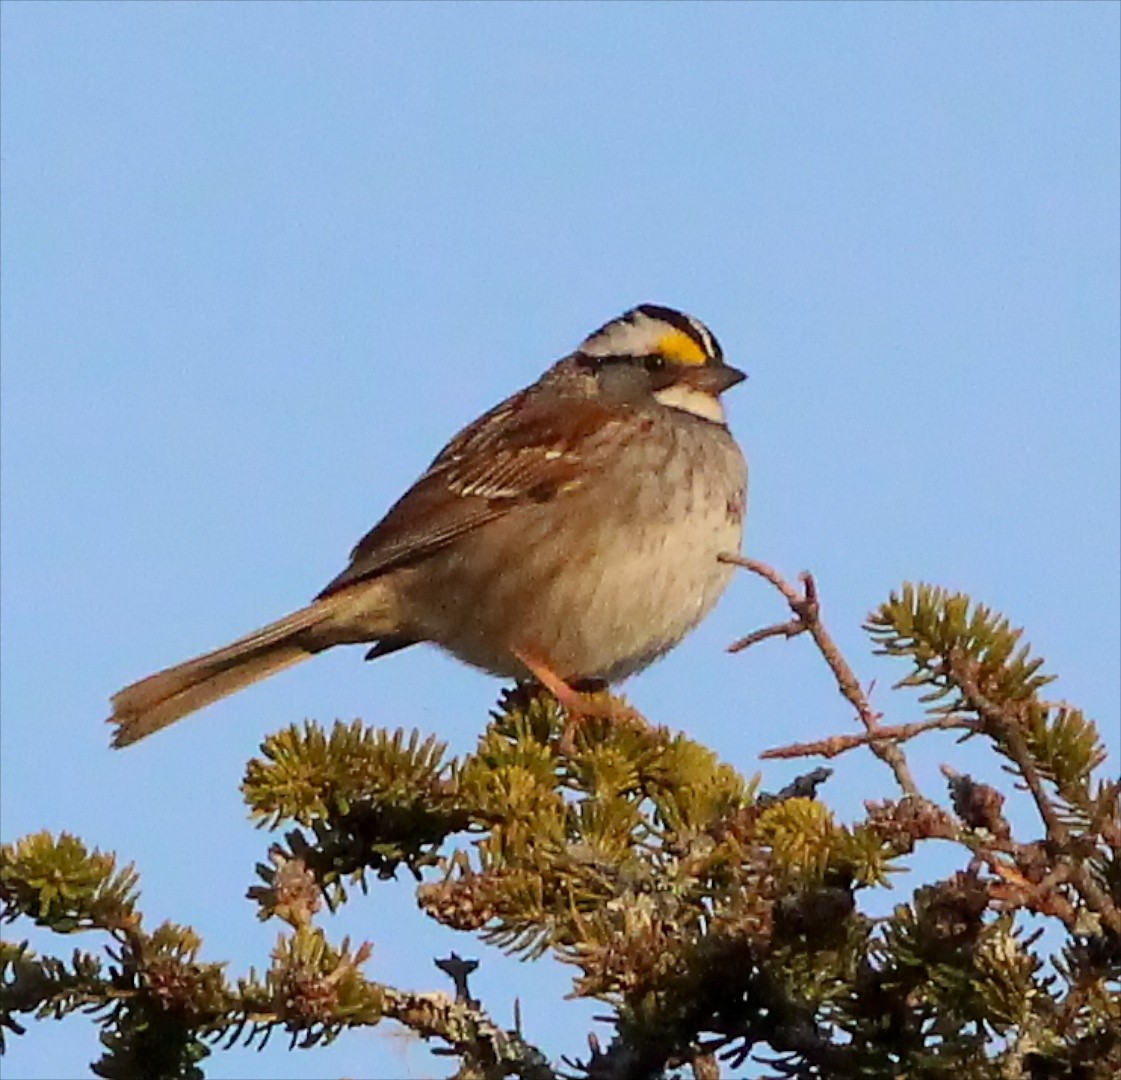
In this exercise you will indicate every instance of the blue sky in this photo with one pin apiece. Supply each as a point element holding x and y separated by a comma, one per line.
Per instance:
<point>261,261</point>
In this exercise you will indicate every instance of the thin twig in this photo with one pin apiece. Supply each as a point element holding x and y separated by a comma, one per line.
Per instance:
<point>790,628</point>
<point>807,614</point>
<point>793,598</point>
<point>838,744</point>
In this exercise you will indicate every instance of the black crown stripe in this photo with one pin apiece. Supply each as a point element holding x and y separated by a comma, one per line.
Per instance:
<point>682,322</point>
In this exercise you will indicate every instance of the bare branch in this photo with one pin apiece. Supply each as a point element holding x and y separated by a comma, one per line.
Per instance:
<point>807,615</point>
<point>838,744</point>
<point>790,628</point>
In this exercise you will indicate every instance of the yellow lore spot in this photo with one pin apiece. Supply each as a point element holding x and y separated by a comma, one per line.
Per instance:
<point>681,348</point>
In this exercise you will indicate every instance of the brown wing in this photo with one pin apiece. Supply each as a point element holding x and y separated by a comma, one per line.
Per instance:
<point>524,451</point>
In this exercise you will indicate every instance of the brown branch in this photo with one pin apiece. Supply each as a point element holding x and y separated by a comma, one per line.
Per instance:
<point>838,744</point>
<point>793,597</point>
<point>790,628</point>
<point>1007,725</point>
<point>807,617</point>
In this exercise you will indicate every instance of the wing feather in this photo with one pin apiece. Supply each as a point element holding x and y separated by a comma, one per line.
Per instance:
<point>525,451</point>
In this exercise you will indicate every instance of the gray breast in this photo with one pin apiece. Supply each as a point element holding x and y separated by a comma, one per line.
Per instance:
<point>605,578</point>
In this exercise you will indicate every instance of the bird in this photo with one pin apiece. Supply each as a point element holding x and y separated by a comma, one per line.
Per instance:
<point>570,535</point>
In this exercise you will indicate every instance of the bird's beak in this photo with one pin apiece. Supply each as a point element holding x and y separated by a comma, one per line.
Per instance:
<point>711,378</point>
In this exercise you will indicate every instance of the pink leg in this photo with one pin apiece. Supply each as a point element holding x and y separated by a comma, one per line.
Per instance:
<point>575,704</point>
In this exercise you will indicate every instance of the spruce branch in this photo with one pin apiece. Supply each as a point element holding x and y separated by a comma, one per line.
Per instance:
<point>716,923</point>
<point>63,886</point>
<point>1007,724</point>
<point>486,1051</point>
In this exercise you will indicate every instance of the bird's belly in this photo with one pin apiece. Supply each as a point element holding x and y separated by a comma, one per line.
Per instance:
<point>589,595</point>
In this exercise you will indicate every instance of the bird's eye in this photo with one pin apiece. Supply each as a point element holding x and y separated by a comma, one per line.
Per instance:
<point>654,362</point>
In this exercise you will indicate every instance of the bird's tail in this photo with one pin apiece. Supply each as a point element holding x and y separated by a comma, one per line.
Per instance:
<point>169,695</point>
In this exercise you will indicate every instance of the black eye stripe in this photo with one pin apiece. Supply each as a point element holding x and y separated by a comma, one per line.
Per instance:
<point>650,361</point>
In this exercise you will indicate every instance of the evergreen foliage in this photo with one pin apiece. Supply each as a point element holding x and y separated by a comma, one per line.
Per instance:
<point>715,922</point>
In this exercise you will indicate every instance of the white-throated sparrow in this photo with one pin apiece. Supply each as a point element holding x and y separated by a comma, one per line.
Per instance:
<point>571,533</point>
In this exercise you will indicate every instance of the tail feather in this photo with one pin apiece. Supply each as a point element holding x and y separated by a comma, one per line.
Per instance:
<point>161,699</point>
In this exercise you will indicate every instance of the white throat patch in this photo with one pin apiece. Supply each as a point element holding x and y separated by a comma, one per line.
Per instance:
<point>692,401</point>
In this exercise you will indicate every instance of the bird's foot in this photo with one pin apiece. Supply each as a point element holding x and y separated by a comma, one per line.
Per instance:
<point>585,699</point>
